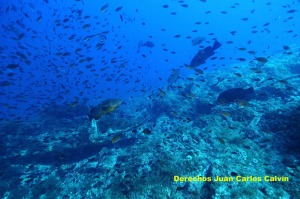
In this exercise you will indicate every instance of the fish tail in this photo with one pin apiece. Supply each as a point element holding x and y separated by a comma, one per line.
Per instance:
<point>251,90</point>
<point>216,45</point>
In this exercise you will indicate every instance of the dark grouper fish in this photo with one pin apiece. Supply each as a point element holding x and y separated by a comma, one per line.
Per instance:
<point>235,94</point>
<point>104,108</point>
<point>204,54</point>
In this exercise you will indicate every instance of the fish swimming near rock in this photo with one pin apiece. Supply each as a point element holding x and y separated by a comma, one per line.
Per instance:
<point>204,54</point>
<point>104,108</point>
<point>116,138</point>
<point>235,94</point>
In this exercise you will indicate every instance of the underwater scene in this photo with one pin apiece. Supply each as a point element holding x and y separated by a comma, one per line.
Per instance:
<point>171,99</point>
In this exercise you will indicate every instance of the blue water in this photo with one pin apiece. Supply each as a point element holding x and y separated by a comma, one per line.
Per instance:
<point>60,59</point>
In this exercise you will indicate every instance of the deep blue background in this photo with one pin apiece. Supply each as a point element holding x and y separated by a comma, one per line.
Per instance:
<point>37,34</point>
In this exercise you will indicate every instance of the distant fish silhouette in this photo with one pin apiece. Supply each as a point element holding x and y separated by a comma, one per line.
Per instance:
<point>173,77</point>
<point>204,54</point>
<point>198,40</point>
<point>148,44</point>
<point>235,94</point>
